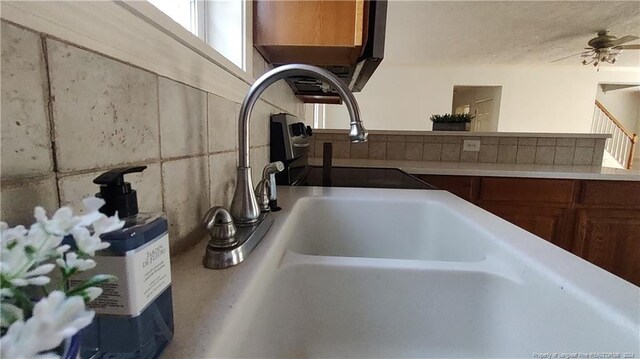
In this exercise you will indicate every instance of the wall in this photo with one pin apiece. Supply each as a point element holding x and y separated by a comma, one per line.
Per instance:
<point>436,146</point>
<point>68,114</point>
<point>624,105</point>
<point>534,98</point>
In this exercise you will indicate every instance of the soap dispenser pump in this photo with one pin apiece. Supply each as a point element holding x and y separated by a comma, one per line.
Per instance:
<point>117,194</point>
<point>134,314</point>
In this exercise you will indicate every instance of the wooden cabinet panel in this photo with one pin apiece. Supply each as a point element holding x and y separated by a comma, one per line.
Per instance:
<point>461,186</point>
<point>317,32</point>
<point>547,223</point>
<point>621,194</point>
<point>597,220</point>
<point>611,240</point>
<point>531,190</point>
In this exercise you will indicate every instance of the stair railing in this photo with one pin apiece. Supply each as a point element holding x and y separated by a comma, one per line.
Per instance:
<point>622,143</point>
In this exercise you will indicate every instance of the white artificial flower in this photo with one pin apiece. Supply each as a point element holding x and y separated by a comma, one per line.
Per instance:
<point>60,224</point>
<point>43,242</point>
<point>107,224</point>
<point>54,319</point>
<point>63,248</point>
<point>10,314</point>
<point>92,206</point>
<point>88,243</point>
<point>22,254</point>
<point>10,235</point>
<point>15,264</point>
<point>14,261</point>
<point>72,261</point>
<point>93,292</point>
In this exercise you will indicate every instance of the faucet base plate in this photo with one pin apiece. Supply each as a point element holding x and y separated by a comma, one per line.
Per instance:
<point>248,238</point>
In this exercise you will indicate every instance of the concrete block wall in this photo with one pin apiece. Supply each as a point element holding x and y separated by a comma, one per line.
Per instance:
<point>69,114</point>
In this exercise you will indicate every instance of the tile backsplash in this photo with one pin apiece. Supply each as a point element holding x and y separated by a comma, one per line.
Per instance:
<point>69,114</point>
<point>579,150</point>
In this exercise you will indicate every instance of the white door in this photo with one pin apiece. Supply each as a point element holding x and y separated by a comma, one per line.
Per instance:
<point>484,116</point>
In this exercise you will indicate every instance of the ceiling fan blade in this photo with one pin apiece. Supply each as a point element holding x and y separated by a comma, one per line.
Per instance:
<point>631,47</point>
<point>566,57</point>
<point>623,40</point>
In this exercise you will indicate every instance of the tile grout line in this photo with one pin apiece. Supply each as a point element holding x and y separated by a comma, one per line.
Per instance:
<point>208,162</point>
<point>50,120</point>
<point>162,199</point>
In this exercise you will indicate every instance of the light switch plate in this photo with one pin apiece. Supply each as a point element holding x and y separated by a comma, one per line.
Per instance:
<point>471,145</point>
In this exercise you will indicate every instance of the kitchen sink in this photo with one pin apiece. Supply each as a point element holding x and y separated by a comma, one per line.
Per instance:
<point>348,272</point>
<point>355,307</point>
<point>406,229</point>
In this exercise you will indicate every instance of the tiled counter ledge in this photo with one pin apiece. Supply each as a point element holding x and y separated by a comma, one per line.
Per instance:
<point>440,146</point>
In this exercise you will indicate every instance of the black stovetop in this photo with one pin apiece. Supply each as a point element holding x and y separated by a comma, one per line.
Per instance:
<point>363,177</point>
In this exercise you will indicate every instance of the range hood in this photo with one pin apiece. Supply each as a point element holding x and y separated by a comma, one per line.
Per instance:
<point>355,76</point>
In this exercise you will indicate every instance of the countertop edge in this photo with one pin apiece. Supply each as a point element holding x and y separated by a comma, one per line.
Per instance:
<point>492,169</point>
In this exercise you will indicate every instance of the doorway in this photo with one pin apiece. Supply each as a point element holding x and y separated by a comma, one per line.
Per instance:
<point>483,102</point>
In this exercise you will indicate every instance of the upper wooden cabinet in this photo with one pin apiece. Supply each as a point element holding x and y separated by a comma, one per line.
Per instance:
<point>312,32</point>
<point>345,37</point>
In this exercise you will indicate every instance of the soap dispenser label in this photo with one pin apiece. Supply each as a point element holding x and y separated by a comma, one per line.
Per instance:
<point>143,274</point>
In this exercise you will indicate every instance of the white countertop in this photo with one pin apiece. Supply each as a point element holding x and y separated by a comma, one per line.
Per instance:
<point>204,299</point>
<point>493,169</point>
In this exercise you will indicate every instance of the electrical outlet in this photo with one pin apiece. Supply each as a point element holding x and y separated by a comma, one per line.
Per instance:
<point>471,145</point>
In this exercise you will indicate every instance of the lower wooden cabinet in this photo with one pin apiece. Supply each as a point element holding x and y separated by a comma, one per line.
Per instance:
<point>547,223</point>
<point>596,220</point>
<point>610,239</point>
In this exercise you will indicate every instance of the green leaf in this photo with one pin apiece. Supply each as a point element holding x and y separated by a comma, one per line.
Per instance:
<point>9,313</point>
<point>95,281</point>
<point>30,250</point>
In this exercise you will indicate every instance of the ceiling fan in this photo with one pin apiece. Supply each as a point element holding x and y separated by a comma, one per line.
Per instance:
<point>604,48</point>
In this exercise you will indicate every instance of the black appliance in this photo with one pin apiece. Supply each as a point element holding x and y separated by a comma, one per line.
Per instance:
<point>290,140</point>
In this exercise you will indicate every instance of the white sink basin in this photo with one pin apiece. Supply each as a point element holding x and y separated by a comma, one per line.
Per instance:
<point>404,229</point>
<point>399,273</point>
<point>341,308</point>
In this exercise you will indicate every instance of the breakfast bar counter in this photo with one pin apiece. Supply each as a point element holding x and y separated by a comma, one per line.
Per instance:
<point>492,169</point>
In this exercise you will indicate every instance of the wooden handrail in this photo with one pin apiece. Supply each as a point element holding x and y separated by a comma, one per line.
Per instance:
<point>632,150</point>
<point>614,120</point>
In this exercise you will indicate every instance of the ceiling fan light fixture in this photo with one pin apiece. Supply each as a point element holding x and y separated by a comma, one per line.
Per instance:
<point>605,49</point>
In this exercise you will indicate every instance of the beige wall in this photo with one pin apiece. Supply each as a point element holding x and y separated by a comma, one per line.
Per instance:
<point>68,114</point>
<point>534,98</point>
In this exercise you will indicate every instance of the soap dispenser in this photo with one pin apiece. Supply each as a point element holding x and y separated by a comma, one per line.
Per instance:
<point>134,315</point>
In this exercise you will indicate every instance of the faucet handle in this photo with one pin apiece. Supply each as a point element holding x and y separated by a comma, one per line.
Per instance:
<point>269,173</point>
<point>222,230</point>
<point>263,194</point>
<point>272,168</point>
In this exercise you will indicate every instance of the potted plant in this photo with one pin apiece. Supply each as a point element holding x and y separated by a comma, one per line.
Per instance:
<point>449,122</point>
<point>41,313</point>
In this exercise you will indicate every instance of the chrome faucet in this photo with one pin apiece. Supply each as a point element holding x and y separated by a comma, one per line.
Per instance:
<point>230,245</point>
<point>244,206</point>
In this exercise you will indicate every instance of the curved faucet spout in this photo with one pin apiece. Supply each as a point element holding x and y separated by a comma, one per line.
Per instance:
<point>244,206</point>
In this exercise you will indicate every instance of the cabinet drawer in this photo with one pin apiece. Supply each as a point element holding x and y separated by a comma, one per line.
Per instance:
<point>528,190</point>
<point>621,194</point>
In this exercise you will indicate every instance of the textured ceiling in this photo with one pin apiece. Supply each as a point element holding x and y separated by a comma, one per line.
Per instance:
<point>503,32</point>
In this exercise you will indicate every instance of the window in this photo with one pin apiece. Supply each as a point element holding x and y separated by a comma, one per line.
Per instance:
<point>220,23</point>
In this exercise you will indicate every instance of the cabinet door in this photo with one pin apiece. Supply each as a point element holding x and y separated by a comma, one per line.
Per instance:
<point>610,239</point>
<point>545,222</point>
<point>310,31</point>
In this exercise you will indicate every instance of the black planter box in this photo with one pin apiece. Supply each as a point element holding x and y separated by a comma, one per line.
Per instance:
<point>461,126</point>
